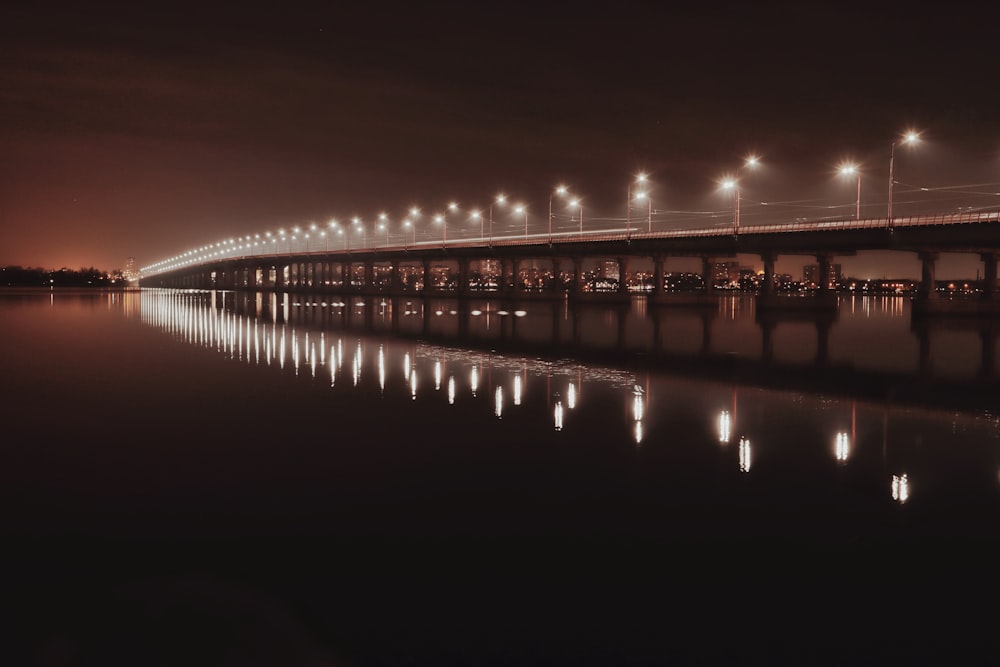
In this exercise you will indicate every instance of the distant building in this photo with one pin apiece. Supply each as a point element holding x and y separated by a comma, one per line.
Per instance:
<point>609,270</point>
<point>726,273</point>
<point>810,275</point>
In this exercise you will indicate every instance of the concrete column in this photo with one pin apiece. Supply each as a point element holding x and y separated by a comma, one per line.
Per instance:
<point>556,285</point>
<point>823,259</point>
<point>767,289</point>
<point>577,275</point>
<point>658,261</point>
<point>395,279</point>
<point>427,275</point>
<point>623,268</point>
<point>989,274</point>
<point>927,275</point>
<point>369,280</point>
<point>708,273</point>
<point>463,275</point>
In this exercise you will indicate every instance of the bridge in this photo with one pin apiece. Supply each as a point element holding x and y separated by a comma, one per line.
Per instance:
<point>445,266</point>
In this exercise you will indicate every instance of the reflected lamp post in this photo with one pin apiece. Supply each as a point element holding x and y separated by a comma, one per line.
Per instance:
<point>908,138</point>
<point>851,170</point>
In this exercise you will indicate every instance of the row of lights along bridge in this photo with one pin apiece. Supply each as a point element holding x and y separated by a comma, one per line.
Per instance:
<point>637,198</point>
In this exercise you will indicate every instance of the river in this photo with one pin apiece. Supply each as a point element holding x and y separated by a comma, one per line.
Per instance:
<point>197,477</point>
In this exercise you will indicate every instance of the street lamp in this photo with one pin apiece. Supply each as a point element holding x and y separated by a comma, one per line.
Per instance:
<point>734,185</point>
<point>443,219</point>
<point>908,138</point>
<point>383,220</point>
<point>414,214</point>
<point>850,170</point>
<point>640,180</point>
<point>361,228</point>
<point>649,209</point>
<point>521,208</point>
<point>561,191</point>
<point>499,199</point>
<point>409,223</point>
<point>478,215</point>
<point>579,204</point>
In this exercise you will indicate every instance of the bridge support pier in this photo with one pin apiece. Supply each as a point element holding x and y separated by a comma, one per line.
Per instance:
<point>927,289</point>
<point>623,267</point>
<point>708,274</point>
<point>989,274</point>
<point>658,262</point>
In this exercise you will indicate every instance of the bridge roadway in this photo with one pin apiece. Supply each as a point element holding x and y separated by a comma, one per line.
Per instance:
<point>445,265</point>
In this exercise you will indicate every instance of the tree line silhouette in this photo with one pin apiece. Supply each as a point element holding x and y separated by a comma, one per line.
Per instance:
<point>17,276</point>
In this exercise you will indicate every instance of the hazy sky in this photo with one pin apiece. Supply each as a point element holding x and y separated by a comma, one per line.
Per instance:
<point>135,130</point>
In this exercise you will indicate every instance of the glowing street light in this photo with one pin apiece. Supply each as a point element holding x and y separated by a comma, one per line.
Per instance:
<point>561,191</point>
<point>478,215</point>
<point>734,185</point>
<point>578,203</point>
<point>361,228</point>
<point>521,208</point>
<point>501,200</point>
<point>413,227</point>
<point>639,196</point>
<point>851,170</point>
<point>442,218</point>
<point>641,182</point>
<point>908,138</point>
<point>383,223</point>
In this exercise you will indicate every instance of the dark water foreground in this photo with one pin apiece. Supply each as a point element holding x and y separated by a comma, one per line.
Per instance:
<point>202,479</point>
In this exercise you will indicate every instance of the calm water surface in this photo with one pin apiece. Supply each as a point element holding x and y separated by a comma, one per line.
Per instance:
<point>232,478</point>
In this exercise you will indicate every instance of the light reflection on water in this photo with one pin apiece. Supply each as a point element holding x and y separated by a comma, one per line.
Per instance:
<point>631,434</point>
<point>282,326</point>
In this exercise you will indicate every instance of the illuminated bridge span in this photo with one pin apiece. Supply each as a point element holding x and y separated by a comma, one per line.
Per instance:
<point>461,266</point>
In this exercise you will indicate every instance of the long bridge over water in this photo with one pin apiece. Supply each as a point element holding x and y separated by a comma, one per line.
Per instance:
<point>476,266</point>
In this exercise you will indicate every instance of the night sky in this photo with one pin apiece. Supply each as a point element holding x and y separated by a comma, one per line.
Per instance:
<point>135,130</point>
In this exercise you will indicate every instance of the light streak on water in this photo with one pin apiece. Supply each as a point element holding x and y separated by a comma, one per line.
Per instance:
<point>744,455</point>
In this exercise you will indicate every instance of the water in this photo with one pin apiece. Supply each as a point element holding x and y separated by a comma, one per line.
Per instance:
<point>223,478</point>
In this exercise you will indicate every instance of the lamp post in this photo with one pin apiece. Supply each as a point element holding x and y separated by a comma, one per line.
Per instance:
<point>579,204</point>
<point>850,170</point>
<point>499,199</point>
<point>908,138</point>
<point>478,215</point>
<point>443,219</point>
<point>361,228</point>
<point>734,185</point>
<point>409,223</point>
<point>521,208</point>
<point>383,223</point>
<point>649,209</point>
<point>640,180</point>
<point>561,191</point>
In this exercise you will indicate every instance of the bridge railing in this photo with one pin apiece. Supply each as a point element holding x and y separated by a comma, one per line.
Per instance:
<point>297,247</point>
